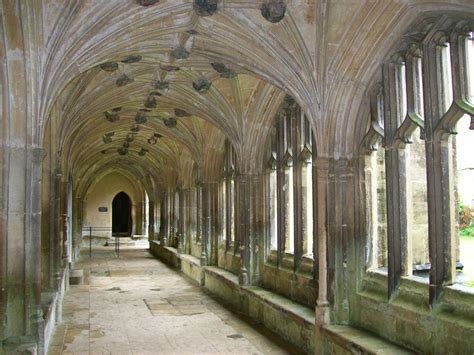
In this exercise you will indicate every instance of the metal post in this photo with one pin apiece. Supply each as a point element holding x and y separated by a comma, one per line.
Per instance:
<point>90,242</point>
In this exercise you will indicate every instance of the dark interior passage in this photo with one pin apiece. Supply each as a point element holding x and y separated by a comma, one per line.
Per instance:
<point>121,214</point>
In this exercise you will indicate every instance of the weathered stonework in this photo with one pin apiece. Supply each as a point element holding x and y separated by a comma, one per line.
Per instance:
<point>292,178</point>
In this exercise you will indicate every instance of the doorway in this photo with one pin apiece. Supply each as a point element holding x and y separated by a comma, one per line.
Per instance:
<point>121,214</point>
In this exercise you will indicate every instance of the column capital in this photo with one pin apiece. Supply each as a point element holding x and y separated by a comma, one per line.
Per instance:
<point>321,163</point>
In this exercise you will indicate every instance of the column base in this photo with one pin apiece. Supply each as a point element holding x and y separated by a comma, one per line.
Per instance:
<point>322,313</point>
<point>19,345</point>
<point>203,259</point>
<point>244,277</point>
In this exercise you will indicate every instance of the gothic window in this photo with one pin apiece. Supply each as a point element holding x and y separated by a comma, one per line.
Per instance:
<point>427,98</point>
<point>272,199</point>
<point>375,178</point>
<point>290,189</point>
<point>229,191</point>
<point>463,162</point>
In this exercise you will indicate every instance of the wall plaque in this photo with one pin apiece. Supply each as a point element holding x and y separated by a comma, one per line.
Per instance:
<point>102,209</point>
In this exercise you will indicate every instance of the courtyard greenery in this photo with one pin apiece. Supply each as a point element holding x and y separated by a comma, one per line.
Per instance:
<point>466,225</point>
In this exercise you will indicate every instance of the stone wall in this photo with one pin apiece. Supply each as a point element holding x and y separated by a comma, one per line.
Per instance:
<point>102,195</point>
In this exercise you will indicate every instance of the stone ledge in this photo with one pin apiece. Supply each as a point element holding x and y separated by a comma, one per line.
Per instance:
<point>226,276</point>
<point>191,267</point>
<point>54,310</point>
<point>291,320</point>
<point>296,311</point>
<point>190,259</point>
<point>360,342</point>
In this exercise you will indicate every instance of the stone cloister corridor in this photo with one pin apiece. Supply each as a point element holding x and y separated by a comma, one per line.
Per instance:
<point>136,305</point>
<point>303,168</point>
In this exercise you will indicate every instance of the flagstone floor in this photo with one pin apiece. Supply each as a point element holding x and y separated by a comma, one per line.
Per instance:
<point>137,305</point>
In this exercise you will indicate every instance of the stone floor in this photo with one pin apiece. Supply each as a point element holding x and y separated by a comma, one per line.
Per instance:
<point>136,305</point>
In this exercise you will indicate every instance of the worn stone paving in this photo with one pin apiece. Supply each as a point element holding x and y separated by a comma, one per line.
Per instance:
<point>136,305</point>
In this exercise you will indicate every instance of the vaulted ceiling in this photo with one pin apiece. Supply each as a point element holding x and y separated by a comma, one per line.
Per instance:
<point>159,85</point>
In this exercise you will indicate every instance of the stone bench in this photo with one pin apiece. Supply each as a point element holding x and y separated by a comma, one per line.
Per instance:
<point>357,341</point>
<point>292,321</point>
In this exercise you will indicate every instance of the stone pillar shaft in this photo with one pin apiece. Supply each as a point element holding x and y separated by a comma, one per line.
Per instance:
<point>321,170</point>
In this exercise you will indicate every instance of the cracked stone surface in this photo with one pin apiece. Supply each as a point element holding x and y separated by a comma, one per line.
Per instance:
<point>137,305</point>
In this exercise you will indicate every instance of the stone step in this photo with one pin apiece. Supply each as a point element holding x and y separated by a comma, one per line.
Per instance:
<point>123,242</point>
<point>76,277</point>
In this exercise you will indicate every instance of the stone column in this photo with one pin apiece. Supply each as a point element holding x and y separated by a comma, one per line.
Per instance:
<point>181,220</point>
<point>22,291</point>
<point>321,171</point>
<point>206,222</point>
<point>151,220</point>
<point>57,242</point>
<point>20,245</point>
<point>342,263</point>
<point>76,226</point>
<point>64,224</point>
<point>163,219</point>
<point>33,245</point>
<point>250,220</point>
<point>193,201</point>
<point>189,220</point>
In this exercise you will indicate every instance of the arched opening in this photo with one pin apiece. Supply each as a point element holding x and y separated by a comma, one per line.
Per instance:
<point>121,214</point>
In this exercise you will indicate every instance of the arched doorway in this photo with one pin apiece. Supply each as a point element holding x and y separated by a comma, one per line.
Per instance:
<point>121,214</point>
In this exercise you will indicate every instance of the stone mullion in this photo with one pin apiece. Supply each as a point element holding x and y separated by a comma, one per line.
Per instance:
<point>189,221</point>
<point>333,216</point>
<point>412,86</point>
<point>396,206</point>
<point>163,218</point>
<point>297,190</point>
<point>286,217</point>
<point>206,223</point>
<point>303,192</point>
<point>166,218</point>
<point>281,208</point>
<point>199,213</point>
<point>175,216</point>
<point>235,216</point>
<point>167,215</point>
<point>228,210</point>
<point>434,179</point>
<point>144,217</point>
<point>214,224</point>
<point>192,216</point>
<point>221,212</point>
<point>161,230</point>
<point>314,177</point>
<point>203,219</point>
<point>441,214</point>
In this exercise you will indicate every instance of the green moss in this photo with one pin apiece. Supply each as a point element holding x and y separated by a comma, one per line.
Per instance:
<point>467,232</point>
